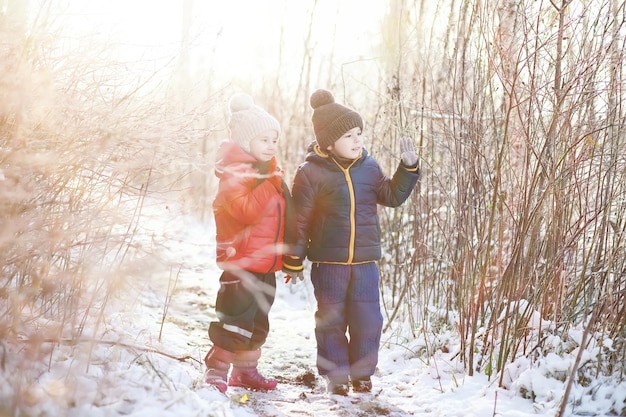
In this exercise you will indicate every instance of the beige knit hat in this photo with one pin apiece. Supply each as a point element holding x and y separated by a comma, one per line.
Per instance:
<point>248,120</point>
<point>331,120</point>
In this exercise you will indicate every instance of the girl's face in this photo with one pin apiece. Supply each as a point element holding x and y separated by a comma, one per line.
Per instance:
<point>348,146</point>
<point>264,146</point>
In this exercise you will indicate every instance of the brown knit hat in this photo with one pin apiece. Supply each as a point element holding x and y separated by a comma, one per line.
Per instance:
<point>331,120</point>
<point>248,120</point>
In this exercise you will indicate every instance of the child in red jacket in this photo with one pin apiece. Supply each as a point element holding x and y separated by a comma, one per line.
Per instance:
<point>249,211</point>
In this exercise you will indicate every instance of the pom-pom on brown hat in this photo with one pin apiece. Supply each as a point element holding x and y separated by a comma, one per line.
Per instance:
<point>248,120</point>
<point>331,120</point>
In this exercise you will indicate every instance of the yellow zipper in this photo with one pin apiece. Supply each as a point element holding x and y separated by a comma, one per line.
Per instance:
<point>346,173</point>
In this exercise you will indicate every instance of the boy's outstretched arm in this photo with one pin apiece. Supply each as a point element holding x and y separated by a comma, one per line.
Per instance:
<point>392,192</point>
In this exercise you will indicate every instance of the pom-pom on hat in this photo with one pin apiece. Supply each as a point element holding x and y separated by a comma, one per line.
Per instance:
<point>331,120</point>
<point>248,120</point>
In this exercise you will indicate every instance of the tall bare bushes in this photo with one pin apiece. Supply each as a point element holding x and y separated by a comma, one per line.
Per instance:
<point>82,147</point>
<point>518,106</point>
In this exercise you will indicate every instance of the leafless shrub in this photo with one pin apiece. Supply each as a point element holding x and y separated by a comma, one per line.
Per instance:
<point>520,210</point>
<point>83,150</point>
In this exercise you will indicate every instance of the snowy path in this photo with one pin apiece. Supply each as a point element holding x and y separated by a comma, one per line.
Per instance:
<point>135,363</point>
<point>288,356</point>
<point>404,386</point>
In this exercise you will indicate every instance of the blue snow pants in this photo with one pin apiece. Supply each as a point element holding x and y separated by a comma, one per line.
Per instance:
<point>348,321</point>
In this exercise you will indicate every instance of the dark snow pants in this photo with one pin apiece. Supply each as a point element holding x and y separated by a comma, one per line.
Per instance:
<point>242,306</point>
<point>348,300</point>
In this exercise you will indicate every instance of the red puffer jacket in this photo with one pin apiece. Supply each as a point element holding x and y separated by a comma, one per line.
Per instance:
<point>249,211</point>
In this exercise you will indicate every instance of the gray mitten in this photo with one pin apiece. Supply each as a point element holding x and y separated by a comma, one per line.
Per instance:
<point>407,151</point>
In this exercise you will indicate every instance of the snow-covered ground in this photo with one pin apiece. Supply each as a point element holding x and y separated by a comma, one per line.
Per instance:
<point>143,366</point>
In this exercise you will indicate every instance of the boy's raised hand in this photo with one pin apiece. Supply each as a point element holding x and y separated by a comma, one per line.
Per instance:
<point>407,151</point>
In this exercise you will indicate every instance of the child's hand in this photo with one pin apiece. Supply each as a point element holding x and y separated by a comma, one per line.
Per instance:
<point>292,268</point>
<point>407,151</point>
<point>293,277</point>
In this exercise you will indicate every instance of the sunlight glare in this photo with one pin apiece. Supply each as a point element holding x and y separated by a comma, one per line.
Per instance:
<point>239,39</point>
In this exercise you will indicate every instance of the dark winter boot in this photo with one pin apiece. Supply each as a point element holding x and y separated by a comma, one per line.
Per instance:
<point>362,384</point>
<point>338,385</point>
<point>245,373</point>
<point>218,362</point>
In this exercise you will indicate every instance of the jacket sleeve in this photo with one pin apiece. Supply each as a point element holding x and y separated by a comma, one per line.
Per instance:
<point>303,199</point>
<point>245,199</point>
<point>291,263</point>
<point>392,192</point>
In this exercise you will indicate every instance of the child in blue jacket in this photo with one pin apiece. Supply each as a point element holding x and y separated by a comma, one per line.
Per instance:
<point>336,191</point>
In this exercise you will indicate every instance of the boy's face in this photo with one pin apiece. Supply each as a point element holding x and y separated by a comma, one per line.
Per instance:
<point>264,146</point>
<point>348,146</point>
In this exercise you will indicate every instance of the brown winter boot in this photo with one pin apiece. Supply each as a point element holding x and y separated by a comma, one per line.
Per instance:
<point>218,362</point>
<point>245,373</point>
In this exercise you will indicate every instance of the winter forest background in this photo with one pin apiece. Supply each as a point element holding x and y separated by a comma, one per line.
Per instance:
<point>514,240</point>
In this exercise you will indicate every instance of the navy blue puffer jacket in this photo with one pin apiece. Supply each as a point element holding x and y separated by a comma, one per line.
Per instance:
<point>336,206</point>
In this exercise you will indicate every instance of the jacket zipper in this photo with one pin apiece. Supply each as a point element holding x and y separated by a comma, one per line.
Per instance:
<point>346,173</point>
